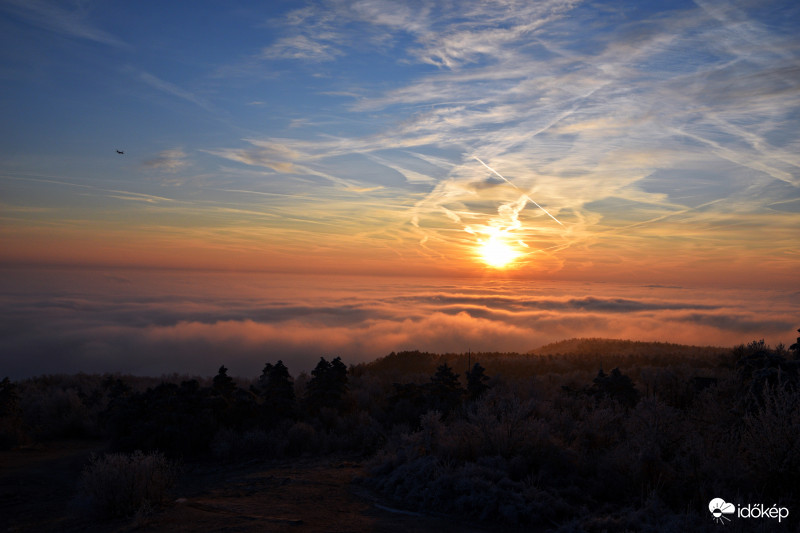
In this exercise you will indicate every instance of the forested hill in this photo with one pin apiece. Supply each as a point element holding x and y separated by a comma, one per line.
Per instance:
<point>560,357</point>
<point>594,346</point>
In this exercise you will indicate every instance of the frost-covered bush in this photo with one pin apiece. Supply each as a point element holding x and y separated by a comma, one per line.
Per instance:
<point>55,412</point>
<point>357,432</point>
<point>503,423</point>
<point>119,484</point>
<point>651,516</point>
<point>486,465</point>
<point>770,441</point>
<point>479,489</point>
<point>232,445</point>
<point>585,464</point>
<point>302,437</point>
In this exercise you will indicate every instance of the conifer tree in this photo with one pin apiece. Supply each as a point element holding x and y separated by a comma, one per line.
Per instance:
<point>223,383</point>
<point>446,391</point>
<point>276,390</point>
<point>796,348</point>
<point>476,379</point>
<point>280,383</point>
<point>616,386</point>
<point>327,386</point>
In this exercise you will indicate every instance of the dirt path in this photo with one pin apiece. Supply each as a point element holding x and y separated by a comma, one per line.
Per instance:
<point>38,493</point>
<point>312,495</point>
<point>38,485</point>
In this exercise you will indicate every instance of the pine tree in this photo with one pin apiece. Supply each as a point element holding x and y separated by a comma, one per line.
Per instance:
<point>223,383</point>
<point>277,393</point>
<point>327,386</point>
<point>9,398</point>
<point>11,425</point>
<point>475,382</point>
<point>281,385</point>
<point>616,386</point>
<point>796,348</point>
<point>446,391</point>
<point>263,379</point>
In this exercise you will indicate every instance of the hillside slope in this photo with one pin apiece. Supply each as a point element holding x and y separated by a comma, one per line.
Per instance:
<point>560,357</point>
<point>594,346</point>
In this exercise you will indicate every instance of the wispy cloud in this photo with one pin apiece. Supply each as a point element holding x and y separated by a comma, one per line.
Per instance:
<point>168,160</point>
<point>57,17</point>
<point>640,113</point>
<point>300,47</point>
<point>169,88</point>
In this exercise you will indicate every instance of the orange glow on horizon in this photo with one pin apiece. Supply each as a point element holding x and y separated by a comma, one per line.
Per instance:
<point>488,251</point>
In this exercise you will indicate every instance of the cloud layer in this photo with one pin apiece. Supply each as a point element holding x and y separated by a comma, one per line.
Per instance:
<point>151,324</point>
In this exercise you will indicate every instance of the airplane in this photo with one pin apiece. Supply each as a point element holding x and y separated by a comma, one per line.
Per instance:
<point>120,152</point>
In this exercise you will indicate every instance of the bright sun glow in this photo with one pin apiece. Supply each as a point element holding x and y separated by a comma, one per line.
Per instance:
<point>497,253</point>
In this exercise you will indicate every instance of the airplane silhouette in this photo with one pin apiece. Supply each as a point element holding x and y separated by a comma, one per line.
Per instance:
<point>120,152</point>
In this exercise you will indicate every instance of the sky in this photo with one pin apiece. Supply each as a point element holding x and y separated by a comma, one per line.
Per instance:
<point>533,171</point>
<point>554,139</point>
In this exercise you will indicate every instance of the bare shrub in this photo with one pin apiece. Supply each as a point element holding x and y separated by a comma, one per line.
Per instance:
<point>359,431</point>
<point>503,423</point>
<point>770,439</point>
<point>56,413</point>
<point>655,436</point>
<point>462,442</point>
<point>302,437</point>
<point>430,432</point>
<point>230,445</point>
<point>600,428</point>
<point>119,484</point>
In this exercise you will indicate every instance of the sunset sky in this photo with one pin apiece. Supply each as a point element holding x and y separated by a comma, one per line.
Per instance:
<point>347,137</point>
<point>653,143</point>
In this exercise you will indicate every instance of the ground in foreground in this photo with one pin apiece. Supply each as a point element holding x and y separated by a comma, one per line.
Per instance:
<point>39,488</point>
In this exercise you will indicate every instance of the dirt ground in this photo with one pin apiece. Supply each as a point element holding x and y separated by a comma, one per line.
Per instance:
<point>37,485</point>
<point>38,493</point>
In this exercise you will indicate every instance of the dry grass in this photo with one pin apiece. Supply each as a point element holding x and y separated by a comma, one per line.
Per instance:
<point>119,484</point>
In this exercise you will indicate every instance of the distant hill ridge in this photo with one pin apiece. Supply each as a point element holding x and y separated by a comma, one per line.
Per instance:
<point>585,354</point>
<point>593,346</point>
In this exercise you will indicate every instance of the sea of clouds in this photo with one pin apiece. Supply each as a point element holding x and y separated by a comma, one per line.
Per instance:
<point>152,323</point>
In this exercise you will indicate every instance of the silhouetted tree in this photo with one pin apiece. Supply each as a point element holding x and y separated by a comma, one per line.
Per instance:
<point>616,386</point>
<point>177,420</point>
<point>759,365</point>
<point>276,390</point>
<point>476,379</point>
<point>407,403</point>
<point>327,386</point>
<point>796,348</point>
<point>223,383</point>
<point>446,391</point>
<point>281,385</point>
<point>116,388</point>
<point>11,431</point>
<point>244,410</point>
<point>263,379</point>
<point>9,398</point>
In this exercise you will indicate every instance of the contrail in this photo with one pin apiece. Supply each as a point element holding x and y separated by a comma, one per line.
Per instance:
<point>520,190</point>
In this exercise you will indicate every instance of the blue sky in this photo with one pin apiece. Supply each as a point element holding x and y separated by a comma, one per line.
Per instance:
<point>662,136</point>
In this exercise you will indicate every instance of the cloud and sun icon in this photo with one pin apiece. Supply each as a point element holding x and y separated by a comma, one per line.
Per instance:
<point>719,508</point>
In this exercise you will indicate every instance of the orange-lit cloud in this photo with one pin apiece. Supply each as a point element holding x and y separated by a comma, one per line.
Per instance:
<point>150,323</point>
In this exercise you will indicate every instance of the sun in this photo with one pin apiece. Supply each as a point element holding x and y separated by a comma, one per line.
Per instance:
<point>497,253</point>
